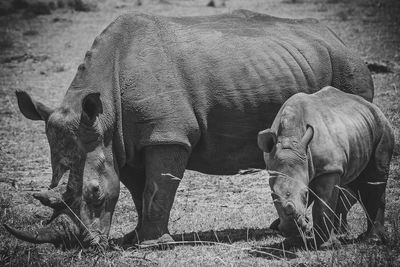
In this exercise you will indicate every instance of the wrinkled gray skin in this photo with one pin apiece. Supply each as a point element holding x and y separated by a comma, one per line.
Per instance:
<point>322,142</point>
<point>158,95</point>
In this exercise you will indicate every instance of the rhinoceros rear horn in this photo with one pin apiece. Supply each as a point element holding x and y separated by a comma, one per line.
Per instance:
<point>53,199</point>
<point>50,199</point>
<point>307,137</point>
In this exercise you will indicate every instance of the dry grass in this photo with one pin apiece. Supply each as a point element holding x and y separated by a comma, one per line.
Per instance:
<point>231,212</point>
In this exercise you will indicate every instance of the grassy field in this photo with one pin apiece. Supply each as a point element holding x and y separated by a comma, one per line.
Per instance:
<point>40,54</point>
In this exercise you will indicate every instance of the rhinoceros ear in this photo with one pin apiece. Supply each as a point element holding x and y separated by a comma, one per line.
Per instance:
<point>266,140</point>
<point>91,107</point>
<point>32,109</point>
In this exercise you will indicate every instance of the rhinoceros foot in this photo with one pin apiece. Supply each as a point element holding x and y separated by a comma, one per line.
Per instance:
<point>342,230</point>
<point>132,239</point>
<point>274,225</point>
<point>293,242</point>
<point>376,235</point>
<point>164,242</point>
<point>332,243</point>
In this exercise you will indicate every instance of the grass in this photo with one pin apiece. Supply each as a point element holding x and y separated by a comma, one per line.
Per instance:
<point>207,207</point>
<point>249,250</point>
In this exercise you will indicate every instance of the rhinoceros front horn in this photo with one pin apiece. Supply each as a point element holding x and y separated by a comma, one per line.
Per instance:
<point>66,236</point>
<point>44,235</point>
<point>64,232</point>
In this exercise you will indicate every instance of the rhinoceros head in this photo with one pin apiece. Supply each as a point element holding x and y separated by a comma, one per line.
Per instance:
<point>288,168</point>
<point>81,149</point>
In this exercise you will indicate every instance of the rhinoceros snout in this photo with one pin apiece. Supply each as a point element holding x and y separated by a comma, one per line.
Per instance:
<point>294,224</point>
<point>289,209</point>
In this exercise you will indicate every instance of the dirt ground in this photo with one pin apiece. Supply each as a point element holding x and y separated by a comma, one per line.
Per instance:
<point>41,53</point>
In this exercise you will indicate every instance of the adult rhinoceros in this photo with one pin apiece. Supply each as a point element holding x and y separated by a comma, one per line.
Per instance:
<point>158,95</point>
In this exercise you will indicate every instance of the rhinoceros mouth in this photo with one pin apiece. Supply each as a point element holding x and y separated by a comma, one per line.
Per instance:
<point>64,228</point>
<point>303,223</point>
<point>297,224</point>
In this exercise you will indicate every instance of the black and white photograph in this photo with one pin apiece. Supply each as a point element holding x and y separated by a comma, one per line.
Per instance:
<point>199,133</point>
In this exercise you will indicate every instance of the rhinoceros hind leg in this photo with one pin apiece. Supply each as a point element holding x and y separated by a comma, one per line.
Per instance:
<point>372,187</point>
<point>372,198</point>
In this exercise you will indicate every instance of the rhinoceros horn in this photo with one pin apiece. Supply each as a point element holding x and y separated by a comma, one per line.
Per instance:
<point>50,199</point>
<point>65,234</point>
<point>54,200</point>
<point>44,235</point>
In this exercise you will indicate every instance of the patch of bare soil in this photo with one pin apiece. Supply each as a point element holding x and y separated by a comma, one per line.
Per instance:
<point>40,54</point>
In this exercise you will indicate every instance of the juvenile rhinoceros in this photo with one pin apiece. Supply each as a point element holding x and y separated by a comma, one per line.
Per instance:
<point>158,95</point>
<point>320,144</point>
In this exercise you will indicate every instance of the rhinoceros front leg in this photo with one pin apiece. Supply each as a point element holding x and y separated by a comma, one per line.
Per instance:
<point>326,195</point>
<point>346,199</point>
<point>134,179</point>
<point>165,166</point>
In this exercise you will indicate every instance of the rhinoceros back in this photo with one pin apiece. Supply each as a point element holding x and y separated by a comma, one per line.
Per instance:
<point>211,83</point>
<point>347,130</point>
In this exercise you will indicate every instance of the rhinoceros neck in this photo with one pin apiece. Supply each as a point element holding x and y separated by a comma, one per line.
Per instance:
<point>99,74</point>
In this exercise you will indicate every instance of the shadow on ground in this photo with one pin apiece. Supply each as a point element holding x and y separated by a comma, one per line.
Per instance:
<point>287,248</point>
<point>212,237</point>
<point>226,235</point>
